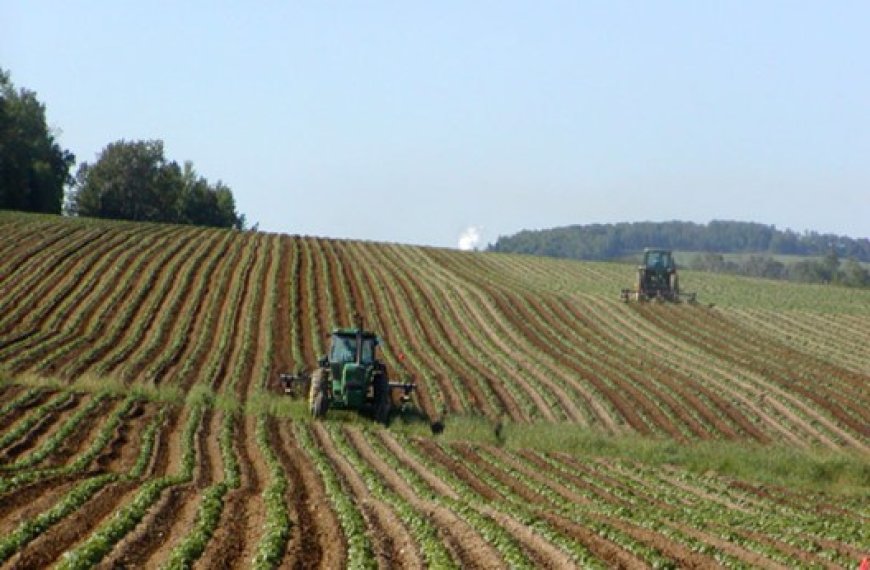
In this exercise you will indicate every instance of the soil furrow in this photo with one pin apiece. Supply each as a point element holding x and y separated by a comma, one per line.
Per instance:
<point>243,518</point>
<point>316,539</point>
<point>464,543</point>
<point>393,544</point>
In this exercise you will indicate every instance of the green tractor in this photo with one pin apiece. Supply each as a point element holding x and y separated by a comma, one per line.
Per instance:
<point>350,377</point>
<point>657,279</point>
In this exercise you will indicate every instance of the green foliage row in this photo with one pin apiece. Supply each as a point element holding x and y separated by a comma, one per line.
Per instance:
<point>421,528</point>
<point>99,543</point>
<point>272,544</point>
<point>822,470</point>
<point>360,553</point>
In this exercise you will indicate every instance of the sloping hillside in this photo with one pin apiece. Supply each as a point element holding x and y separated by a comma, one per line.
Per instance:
<point>140,319</point>
<point>529,338</point>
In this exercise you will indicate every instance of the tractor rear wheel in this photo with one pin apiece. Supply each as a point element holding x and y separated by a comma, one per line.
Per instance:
<point>317,397</point>
<point>382,399</point>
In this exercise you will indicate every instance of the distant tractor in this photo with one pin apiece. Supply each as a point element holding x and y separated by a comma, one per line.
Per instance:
<point>657,279</point>
<point>350,377</point>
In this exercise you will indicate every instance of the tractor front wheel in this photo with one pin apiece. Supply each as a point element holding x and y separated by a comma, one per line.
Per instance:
<point>317,397</point>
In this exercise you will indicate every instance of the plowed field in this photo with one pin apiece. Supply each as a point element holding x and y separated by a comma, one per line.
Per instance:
<point>141,423</point>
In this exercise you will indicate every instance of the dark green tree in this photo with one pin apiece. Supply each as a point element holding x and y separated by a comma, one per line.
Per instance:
<point>133,180</point>
<point>129,181</point>
<point>33,168</point>
<point>206,205</point>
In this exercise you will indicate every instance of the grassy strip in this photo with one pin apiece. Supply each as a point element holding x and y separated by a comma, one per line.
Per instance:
<point>821,470</point>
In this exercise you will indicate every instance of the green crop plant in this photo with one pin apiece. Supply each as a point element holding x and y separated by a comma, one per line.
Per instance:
<point>360,553</point>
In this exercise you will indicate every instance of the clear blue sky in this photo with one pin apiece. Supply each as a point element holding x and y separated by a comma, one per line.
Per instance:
<point>411,121</point>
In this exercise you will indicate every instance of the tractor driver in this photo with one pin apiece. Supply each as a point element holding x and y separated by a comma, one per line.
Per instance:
<point>344,349</point>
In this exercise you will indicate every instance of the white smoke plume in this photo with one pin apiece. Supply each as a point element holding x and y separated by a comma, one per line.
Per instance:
<point>470,238</point>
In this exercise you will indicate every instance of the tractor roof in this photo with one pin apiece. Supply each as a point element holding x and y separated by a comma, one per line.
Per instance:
<point>354,332</point>
<point>655,250</point>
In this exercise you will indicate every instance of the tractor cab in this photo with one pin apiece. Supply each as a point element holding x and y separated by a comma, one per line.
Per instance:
<point>352,367</point>
<point>658,259</point>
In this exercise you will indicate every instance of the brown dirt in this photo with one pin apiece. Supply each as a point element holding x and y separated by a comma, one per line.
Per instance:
<point>463,542</point>
<point>751,558</point>
<point>172,516</point>
<point>464,365</point>
<point>320,318</point>
<point>316,539</point>
<point>19,412</point>
<point>738,391</point>
<point>433,480</point>
<point>56,540</point>
<point>545,341</point>
<point>257,369</point>
<point>96,304</point>
<point>612,554</point>
<point>235,326</point>
<point>178,278</point>
<point>461,470</point>
<point>41,431</point>
<point>187,296</point>
<point>366,289</point>
<point>31,244</point>
<point>120,455</point>
<point>44,279</point>
<point>207,310</point>
<point>542,553</point>
<point>650,374</point>
<point>282,333</point>
<point>682,555</point>
<point>393,545</point>
<point>141,281</point>
<point>243,518</point>
<point>302,294</point>
<point>77,279</point>
<point>77,441</point>
<point>806,558</point>
<point>338,293</point>
<point>27,501</point>
<point>771,361</point>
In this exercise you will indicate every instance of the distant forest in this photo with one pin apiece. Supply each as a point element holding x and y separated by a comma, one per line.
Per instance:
<point>610,241</point>
<point>837,263</point>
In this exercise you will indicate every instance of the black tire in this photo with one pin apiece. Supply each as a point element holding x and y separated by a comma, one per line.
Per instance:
<point>317,397</point>
<point>382,403</point>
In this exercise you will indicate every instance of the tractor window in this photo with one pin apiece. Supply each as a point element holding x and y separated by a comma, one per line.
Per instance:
<point>659,260</point>
<point>368,351</point>
<point>343,349</point>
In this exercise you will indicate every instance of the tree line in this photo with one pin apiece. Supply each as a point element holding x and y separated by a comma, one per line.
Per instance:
<point>610,241</point>
<point>130,180</point>
<point>828,269</point>
<point>619,241</point>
